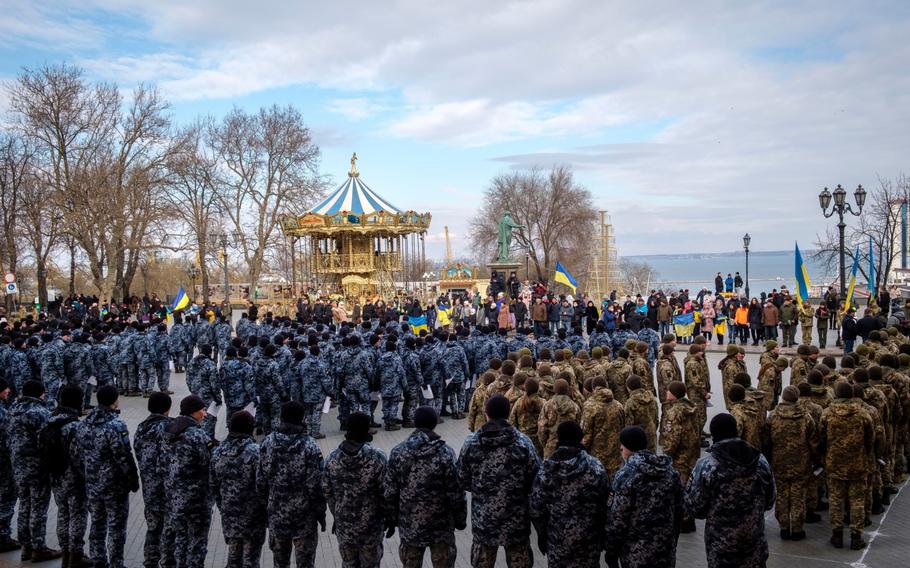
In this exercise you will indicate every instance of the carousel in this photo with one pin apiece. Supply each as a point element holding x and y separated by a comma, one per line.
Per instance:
<point>358,244</point>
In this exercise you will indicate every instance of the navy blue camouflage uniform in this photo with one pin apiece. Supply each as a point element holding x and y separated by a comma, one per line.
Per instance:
<point>67,480</point>
<point>28,417</point>
<point>202,380</point>
<point>455,373</point>
<point>393,383</point>
<point>232,478</point>
<point>148,443</point>
<point>235,381</point>
<point>316,386</point>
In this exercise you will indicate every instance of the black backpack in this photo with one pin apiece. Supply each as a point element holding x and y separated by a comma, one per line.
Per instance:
<point>54,450</point>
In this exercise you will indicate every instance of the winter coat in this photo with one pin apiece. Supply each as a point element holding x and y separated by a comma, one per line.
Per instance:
<point>28,417</point>
<point>232,482</point>
<point>353,488</point>
<point>187,448</point>
<point>110,468</point>
<point>602,418</point>
<point>148,444</point>
<point>560,408</point>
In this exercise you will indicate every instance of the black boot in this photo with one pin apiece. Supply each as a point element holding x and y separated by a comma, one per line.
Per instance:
<point>856,541</point>
<point>65,561</point>
<point>9,544</point>
<point>43,554</point>
<point>798,535</point>
<point>785,534</point>
<point>837,538</point>
<point>812,517</point>
<point>877,504</point>
<point>78,560</point>
<point>688,525</point>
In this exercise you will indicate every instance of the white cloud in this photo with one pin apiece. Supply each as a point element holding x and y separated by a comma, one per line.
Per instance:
<point>356,108</point>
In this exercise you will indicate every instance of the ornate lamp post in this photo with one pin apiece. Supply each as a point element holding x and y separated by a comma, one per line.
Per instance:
<point>193,273</point>
<point>746,240</point>
<point>840,207</point>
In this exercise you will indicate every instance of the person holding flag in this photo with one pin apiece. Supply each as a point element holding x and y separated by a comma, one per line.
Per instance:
<point>563,277</point>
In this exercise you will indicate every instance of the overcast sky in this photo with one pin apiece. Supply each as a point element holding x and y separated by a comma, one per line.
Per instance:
<point>691,123</point>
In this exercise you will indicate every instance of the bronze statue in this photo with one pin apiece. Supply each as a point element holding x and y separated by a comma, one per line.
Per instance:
<point>506,225</point>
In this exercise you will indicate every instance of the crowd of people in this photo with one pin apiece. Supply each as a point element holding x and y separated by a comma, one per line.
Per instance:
<point>593,438</point>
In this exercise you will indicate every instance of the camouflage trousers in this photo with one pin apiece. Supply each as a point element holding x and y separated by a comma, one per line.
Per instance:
<point>389,409</point>
<point>411,402</point>
<point>72,519</point>
<point>163,372</point>
<point>455,397</point>
<point>361,554</point>
<point>442,554</point>
<point>157,539</point>
<point>179,359</point>
<point>8,500</point>
<point>873,487</point>
<point>790,505</point>
<point>190,532</point>
<point>244,552</point>
<point>32,522</point>
<point>313,418</point>
<point>435,402</point>
<point>807,334</point>
<point>52,389</point>
<point>518,555</point>
<point>107,536</point>
<point>697,396</point>
<point>303,547</point>
<point>268,416</point>
<point>147,377</point>
<point>847,493</point>
<point>129,378</point>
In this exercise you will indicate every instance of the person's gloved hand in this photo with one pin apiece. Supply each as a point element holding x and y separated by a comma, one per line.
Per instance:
<point>389,530</point>
<point>321,521</point>
<point>461,524</point>
<point>542,542</point>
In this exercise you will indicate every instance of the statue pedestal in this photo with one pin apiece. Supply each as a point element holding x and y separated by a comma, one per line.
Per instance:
<point>506,267</point>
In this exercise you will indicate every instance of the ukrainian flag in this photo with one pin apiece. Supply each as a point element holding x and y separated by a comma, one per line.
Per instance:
<point>802,278</point>
<point>443,315</point>
<point>181,301</point>
<point>563,277</point>
<point>852,285</point>
<point>418,323</point>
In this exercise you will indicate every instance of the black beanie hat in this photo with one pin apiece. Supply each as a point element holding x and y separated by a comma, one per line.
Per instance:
<point>159,403</point>
<point>633,438</point>
<point>3,384</point>
<point>205,349</point>
<point>358,428</point>
<point>292,413</point>
<point>242,422</point>
<point>497,407</point>
<point>191,404</point>
<point>33,389</point>
<point>569,433</point>
<point>425,417</point>
<point>71,397</point>
<point>107,395</point>
<point>723,427</point>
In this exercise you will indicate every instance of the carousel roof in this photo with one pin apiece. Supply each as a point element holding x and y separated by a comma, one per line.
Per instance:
<point>353,196</point>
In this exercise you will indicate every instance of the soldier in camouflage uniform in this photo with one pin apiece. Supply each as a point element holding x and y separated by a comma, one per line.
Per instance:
<point>526,411</point>
<point>352,484</point>
<point>476,414</point>
<point>7,477</point>
<point>455,372</point>
<point>233,473</point>
<point>162,360</point>
<point>423,497</point>
<point>411,361</point>
<point>518,388</point>
<point>546,381</point>
<point>641,366</point>
<point>770,381</point>
<point>202,381</point>
<point>680,437</point>
<point>698,385</point>
<point>641,410</point>
<point>667,369</point>
<point>270,389</point>
<point>792,449</point>
<point>806,315</point>
<point>52,363</point>
<point>555,411</point>
<point>80,367</point>
<point>846,436</point>
<point>222,338</point>
<point>503,382</point>
<point>148,444</point>
<point>18,371</point>
<point>235,381</point>
<point>749,417</point>
<point>147,359</point>
<point>568,503</point>
<point>617,373</point>
<point>188,448</point>
<point>731,488</point>
<point>646,508</point>
<point>63,460</point>
<point>498,465</point>
<point>317,386</point>
<point>290,476</point>
<point>110,476</point>
<point>28,417</point>
<point>358,376</point>
<point>799,367</point>
<point>602,418</point>
<point>393,383</point>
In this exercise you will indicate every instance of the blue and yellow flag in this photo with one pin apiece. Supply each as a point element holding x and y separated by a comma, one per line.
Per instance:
<point>418,323</point>
<point>802,278</point>
<point>871,285</point>
<point>563,277</point>
<point>852,285</point>
<point>181,301</point>
<point>443,315</point>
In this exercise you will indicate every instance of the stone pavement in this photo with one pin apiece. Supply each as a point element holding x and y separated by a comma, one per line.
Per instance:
<point>889,545</point>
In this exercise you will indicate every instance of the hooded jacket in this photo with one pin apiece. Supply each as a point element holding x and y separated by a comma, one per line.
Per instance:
<point>352,484</point>
<point>645,512</point>
<point>422,494</point>
<point>602,418</point>
<point>498,465</point>
<point>555,411</point>
<point>846,437</point>
<point>792,442</point>
<point>641,410</point>
<point>290,475</point>
<point>232,480</point>
<point>568,505</point>
<point>731,488</point>
<point>28,417</point>
<point>110,467</point>
<point>187,448</point>
<point>148,443</point>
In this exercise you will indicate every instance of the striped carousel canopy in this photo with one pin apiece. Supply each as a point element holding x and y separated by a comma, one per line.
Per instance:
<point>356,197</point>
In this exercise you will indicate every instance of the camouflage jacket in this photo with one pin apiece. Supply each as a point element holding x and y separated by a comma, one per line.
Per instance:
<point>846,435</point>
<point>202,379</point>
<point>232,481</point>
<point>645,512</point>
<point>235,381</point>
<point>524,416</point>
<point>498,465</point>
<point>290,475</point>
<point>148,445</point>
<point>681,438</point>
<point>110,468</point>
<point>791,442</point>
<point>602,418</point>
<point>187,448</point>
<point>731,488</point>
<point>555,411</point>
<point>28,417</point>
<point>392,379</point>
<point>750,420</point>
<point>352,484</point>
<point>617,373</point>
<point>316,382</point>
<point>641,410</point>
<point>422,493</point>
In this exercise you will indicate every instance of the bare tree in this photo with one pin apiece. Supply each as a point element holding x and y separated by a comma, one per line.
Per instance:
<point>879,224</point>
<point>269,166</point>
<point>558,213</point>
<point>104,164</point>
<point>41,224</point>
<point>15,158</point>
<point>191,190</point>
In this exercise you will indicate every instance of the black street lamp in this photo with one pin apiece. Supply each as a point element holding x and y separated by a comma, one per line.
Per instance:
<point>193,273</point>
<point>746,240</point>
<point>840,207</point>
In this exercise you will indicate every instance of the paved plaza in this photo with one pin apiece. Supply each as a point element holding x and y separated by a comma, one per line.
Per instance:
<point>888,536</point>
